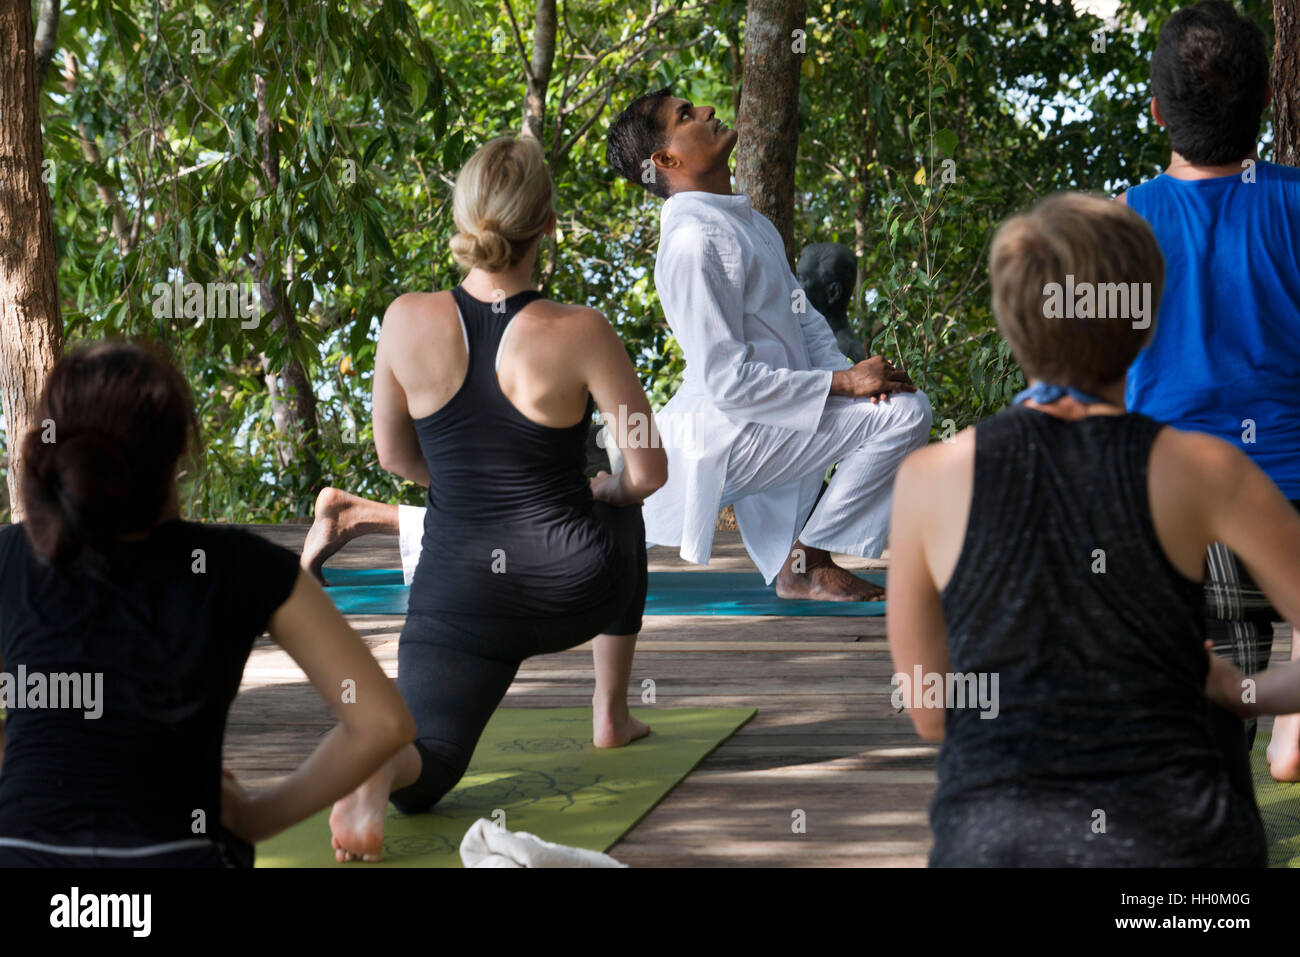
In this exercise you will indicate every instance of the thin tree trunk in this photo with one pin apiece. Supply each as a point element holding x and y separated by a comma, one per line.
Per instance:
<point>737,70</point>
<point>1286,82</point>
<point>537,77</point>
<point>47,38</point>
<point>31,323</point>
<point>293,407</point>
<point>862,200</point>
<point>768,121</point>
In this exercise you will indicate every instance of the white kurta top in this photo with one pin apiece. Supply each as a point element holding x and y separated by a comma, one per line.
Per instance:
<point>756,354</point>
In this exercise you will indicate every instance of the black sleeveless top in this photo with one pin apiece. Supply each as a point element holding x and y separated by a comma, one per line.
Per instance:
<point>509,531</point>
<point>1101,750</point>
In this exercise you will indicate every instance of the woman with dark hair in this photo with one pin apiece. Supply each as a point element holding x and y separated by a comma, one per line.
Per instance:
<point>123,636</point>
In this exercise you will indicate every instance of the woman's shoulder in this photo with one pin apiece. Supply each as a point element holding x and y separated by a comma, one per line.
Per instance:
<point>563,326</point>
<point>237,551</point>
<point>241,562</point>
<point>417,308</point>
<point>932,468</point>
<point>555,311</point>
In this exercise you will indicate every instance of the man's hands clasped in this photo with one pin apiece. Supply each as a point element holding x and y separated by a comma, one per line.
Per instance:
<point>873,378</point>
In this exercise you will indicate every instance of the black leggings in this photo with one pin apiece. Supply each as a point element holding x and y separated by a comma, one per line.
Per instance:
<point>223,851</point>
<point>453,671</point>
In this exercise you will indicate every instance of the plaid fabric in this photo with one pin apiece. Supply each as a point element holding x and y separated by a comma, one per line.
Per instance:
<point>1238,617</point>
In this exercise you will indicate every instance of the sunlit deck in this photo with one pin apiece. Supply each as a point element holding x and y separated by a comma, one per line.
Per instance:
<point>825,739</point>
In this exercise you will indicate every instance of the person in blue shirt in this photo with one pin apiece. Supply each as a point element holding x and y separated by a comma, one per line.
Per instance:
<point>1225,355</point>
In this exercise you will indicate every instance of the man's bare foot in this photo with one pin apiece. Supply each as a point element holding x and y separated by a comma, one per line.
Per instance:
<point>340,517</point>
<point>610,730</point>
<point>810,574</point>
<point>1284,748</point>
<point>357,821</point>
<point>326,536</point>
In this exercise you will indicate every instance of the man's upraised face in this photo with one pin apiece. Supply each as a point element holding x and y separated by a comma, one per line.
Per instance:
<point>697,139</point>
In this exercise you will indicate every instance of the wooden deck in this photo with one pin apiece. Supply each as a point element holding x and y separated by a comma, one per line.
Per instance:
<point>825,739</point>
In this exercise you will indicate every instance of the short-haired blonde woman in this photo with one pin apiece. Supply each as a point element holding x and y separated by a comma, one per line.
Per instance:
<point>1095,745</point>
<point>484,394</point>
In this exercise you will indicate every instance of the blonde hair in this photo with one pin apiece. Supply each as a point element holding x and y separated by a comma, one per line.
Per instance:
<point>503,200</point>
<point>1066,241</point>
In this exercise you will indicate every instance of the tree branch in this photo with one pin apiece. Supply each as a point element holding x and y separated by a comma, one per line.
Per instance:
<point>47,38</point>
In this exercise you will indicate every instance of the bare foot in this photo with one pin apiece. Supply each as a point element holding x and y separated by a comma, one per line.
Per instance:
<point>1284,748</point>
<point>340,517</point>
<point>327,533</point>
<point>357,821</point>
<point>614,731</point>
<point>826,582</point>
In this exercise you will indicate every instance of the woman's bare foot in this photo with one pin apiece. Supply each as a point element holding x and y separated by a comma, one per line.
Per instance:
<point>357,821</point>
<point>340,517</point>
<point>1284,748</point>
<point>615,727</point>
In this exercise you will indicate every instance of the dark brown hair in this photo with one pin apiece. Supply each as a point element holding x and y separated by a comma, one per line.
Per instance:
<point>1209,75</point>
<point>637,133</point>
<point>111,424</point>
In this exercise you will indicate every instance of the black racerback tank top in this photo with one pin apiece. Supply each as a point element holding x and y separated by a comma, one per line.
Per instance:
<point>1063,591</point>
<point>508,529</point>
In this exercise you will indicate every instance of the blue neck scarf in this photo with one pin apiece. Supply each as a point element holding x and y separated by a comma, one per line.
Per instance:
<point>1045,393</point>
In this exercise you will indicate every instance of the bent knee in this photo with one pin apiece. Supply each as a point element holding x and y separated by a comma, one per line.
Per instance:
<point>914,414</point>
<point>441,769</point>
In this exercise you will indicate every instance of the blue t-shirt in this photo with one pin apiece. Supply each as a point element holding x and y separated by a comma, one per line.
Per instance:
<point>1225,356</point>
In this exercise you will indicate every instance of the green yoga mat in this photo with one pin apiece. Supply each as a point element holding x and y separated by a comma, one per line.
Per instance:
<point>540,768</point>
<point>379,591</point>
<point>1279,806</point>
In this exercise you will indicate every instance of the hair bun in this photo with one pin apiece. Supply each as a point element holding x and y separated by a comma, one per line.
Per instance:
<point>485,249</point>
<point>89,477</point>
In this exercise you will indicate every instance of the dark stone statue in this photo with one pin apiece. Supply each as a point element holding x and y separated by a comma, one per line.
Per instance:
<point>828,273</point>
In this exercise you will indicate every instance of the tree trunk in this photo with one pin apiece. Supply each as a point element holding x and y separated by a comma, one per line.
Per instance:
<point>537,78</point>
<point>768,121</point>
<point>862,227</point>
<point>47,38</point>
<point>538,75</point>
<point>293,407</point>
<point>31,323</point>
<point>1286,82</point>
<point>737,69</point>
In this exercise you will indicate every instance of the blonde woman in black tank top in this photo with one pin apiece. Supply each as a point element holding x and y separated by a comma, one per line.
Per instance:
<point>483,395</point>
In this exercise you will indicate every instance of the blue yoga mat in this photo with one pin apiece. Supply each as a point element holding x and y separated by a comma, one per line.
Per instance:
<point>379,591</point>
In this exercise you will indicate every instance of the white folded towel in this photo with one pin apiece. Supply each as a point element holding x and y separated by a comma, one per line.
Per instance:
<point>487,845</point>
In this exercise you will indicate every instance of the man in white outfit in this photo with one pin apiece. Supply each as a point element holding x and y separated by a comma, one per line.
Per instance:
<point>768,402</point>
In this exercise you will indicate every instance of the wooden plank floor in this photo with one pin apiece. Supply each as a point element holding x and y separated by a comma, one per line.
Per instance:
<point>825,740</point>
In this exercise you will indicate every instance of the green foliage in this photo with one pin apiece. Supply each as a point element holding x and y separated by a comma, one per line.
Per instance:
<point>1011,103</point>
<point>376,105</point>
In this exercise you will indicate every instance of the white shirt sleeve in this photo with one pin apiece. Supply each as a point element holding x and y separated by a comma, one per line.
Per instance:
<point>699,274</point>
<point>823,350</point>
